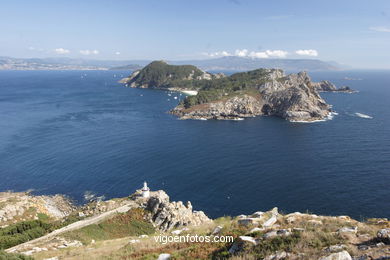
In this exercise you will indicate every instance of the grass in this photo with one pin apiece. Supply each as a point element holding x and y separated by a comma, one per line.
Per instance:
<point>131,223</point>
<point>9,256</point>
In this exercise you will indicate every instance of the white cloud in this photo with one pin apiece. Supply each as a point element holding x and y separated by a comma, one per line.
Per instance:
<point>241,53</point>
<point>260,55</point>
<point>89,52</point>
<point>61,51</point>
<point>380,29</point>
<point>313,53</point>
<point>249,54</point>
<point>117,53</point>
<point>276,53</point>
<point>217,54</point>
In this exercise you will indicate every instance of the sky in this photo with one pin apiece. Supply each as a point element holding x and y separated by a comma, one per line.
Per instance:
<point>354,33</point>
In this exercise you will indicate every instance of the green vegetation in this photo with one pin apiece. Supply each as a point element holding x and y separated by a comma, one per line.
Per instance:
<point>269,246</point>
<point>9,256</point>
<point>238,83</point>
<point>159,74</point>
<point>24,231</point>
<point>131,223</point>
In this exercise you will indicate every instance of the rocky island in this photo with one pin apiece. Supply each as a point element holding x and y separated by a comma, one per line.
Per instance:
<point>258,92</point>
<point>51,227</point>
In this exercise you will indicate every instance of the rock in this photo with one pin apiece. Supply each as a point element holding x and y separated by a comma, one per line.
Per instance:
<point>348,230</point>
<point>291,219</point>
<point>242,243</point>
<point>363,247</point>
<point>257,214</point>
<point>315,222</point>
<point>176,232</point>
<point>143,236</point>
<point>256,229</point>
<point>335,248</point>
<point>133,241</point>
<point>275,233</point>
<point>278,256</point>
<point>248,222</point>
<point>164,257</point>
<point>380,244</point>
<point>217,230</point>
<point>383,235</point>
<point>343,255</point>
<point>324,86</point>
<point>167,215</point>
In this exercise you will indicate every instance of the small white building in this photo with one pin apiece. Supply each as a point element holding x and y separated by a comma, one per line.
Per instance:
<point>145,191</point>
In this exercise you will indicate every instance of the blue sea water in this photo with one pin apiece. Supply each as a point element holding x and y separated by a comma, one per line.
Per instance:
<point>76,131</point>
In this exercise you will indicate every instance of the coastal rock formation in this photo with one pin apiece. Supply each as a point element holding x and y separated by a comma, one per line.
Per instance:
<point>327,86</point>
<point>167,215</point>
<point>231,108</point>
<point>291,97</point>
<point>15,206</point>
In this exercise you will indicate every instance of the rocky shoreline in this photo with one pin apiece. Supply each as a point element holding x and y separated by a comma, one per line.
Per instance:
<point>292,236</point>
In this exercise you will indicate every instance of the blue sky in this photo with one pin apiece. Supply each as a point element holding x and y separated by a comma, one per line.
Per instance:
<point>356,33</point>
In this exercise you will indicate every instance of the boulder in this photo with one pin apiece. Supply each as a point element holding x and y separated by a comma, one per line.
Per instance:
<point>347,230</point>
<point>383,235</point>
<point>242,243</point>
<point>164,257</point>
<point>278,256</point>
<point>343,255</point>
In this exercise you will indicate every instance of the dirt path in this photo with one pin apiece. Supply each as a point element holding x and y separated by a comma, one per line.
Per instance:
<point>73,226</point>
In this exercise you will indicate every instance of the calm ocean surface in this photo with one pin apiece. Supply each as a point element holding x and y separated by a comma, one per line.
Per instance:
<point>76,131</point>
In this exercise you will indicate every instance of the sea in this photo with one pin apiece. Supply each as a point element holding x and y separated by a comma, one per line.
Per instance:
<point>81,132</point>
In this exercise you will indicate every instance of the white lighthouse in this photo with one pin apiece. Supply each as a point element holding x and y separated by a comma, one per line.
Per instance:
<point>145,191</point>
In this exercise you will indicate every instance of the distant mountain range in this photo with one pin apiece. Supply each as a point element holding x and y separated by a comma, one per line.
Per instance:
<point>230,63</point>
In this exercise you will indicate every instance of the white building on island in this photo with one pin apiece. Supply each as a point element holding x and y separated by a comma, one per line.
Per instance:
<point>145,191</point>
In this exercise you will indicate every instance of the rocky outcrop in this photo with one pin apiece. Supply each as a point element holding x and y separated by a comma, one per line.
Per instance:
<point>167,215</point>
<point>16,206</point>
<point>383,235</point>
<point>231,108</point>
<point>292,97</point>
<point>343,255</point>
<point>327,86</point>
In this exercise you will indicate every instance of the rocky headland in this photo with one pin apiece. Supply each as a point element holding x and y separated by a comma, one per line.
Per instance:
<point>125,228</point>
<point>267,92</point>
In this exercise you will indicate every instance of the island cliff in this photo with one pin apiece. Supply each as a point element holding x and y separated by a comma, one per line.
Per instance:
<point>258,92</point>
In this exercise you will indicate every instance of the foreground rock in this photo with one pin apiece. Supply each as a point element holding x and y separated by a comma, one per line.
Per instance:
<point>343,255</point>
<point>168,215</point>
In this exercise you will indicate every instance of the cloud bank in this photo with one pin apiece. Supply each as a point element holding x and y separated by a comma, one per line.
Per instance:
<point>312,53</point>
<point>260,54</point>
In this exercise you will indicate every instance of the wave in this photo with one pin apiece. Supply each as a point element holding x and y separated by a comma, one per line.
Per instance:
<point>328,117</point>
<point>363,116</point>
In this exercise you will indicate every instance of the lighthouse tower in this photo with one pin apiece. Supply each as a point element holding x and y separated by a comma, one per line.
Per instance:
<point>145,191</point>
